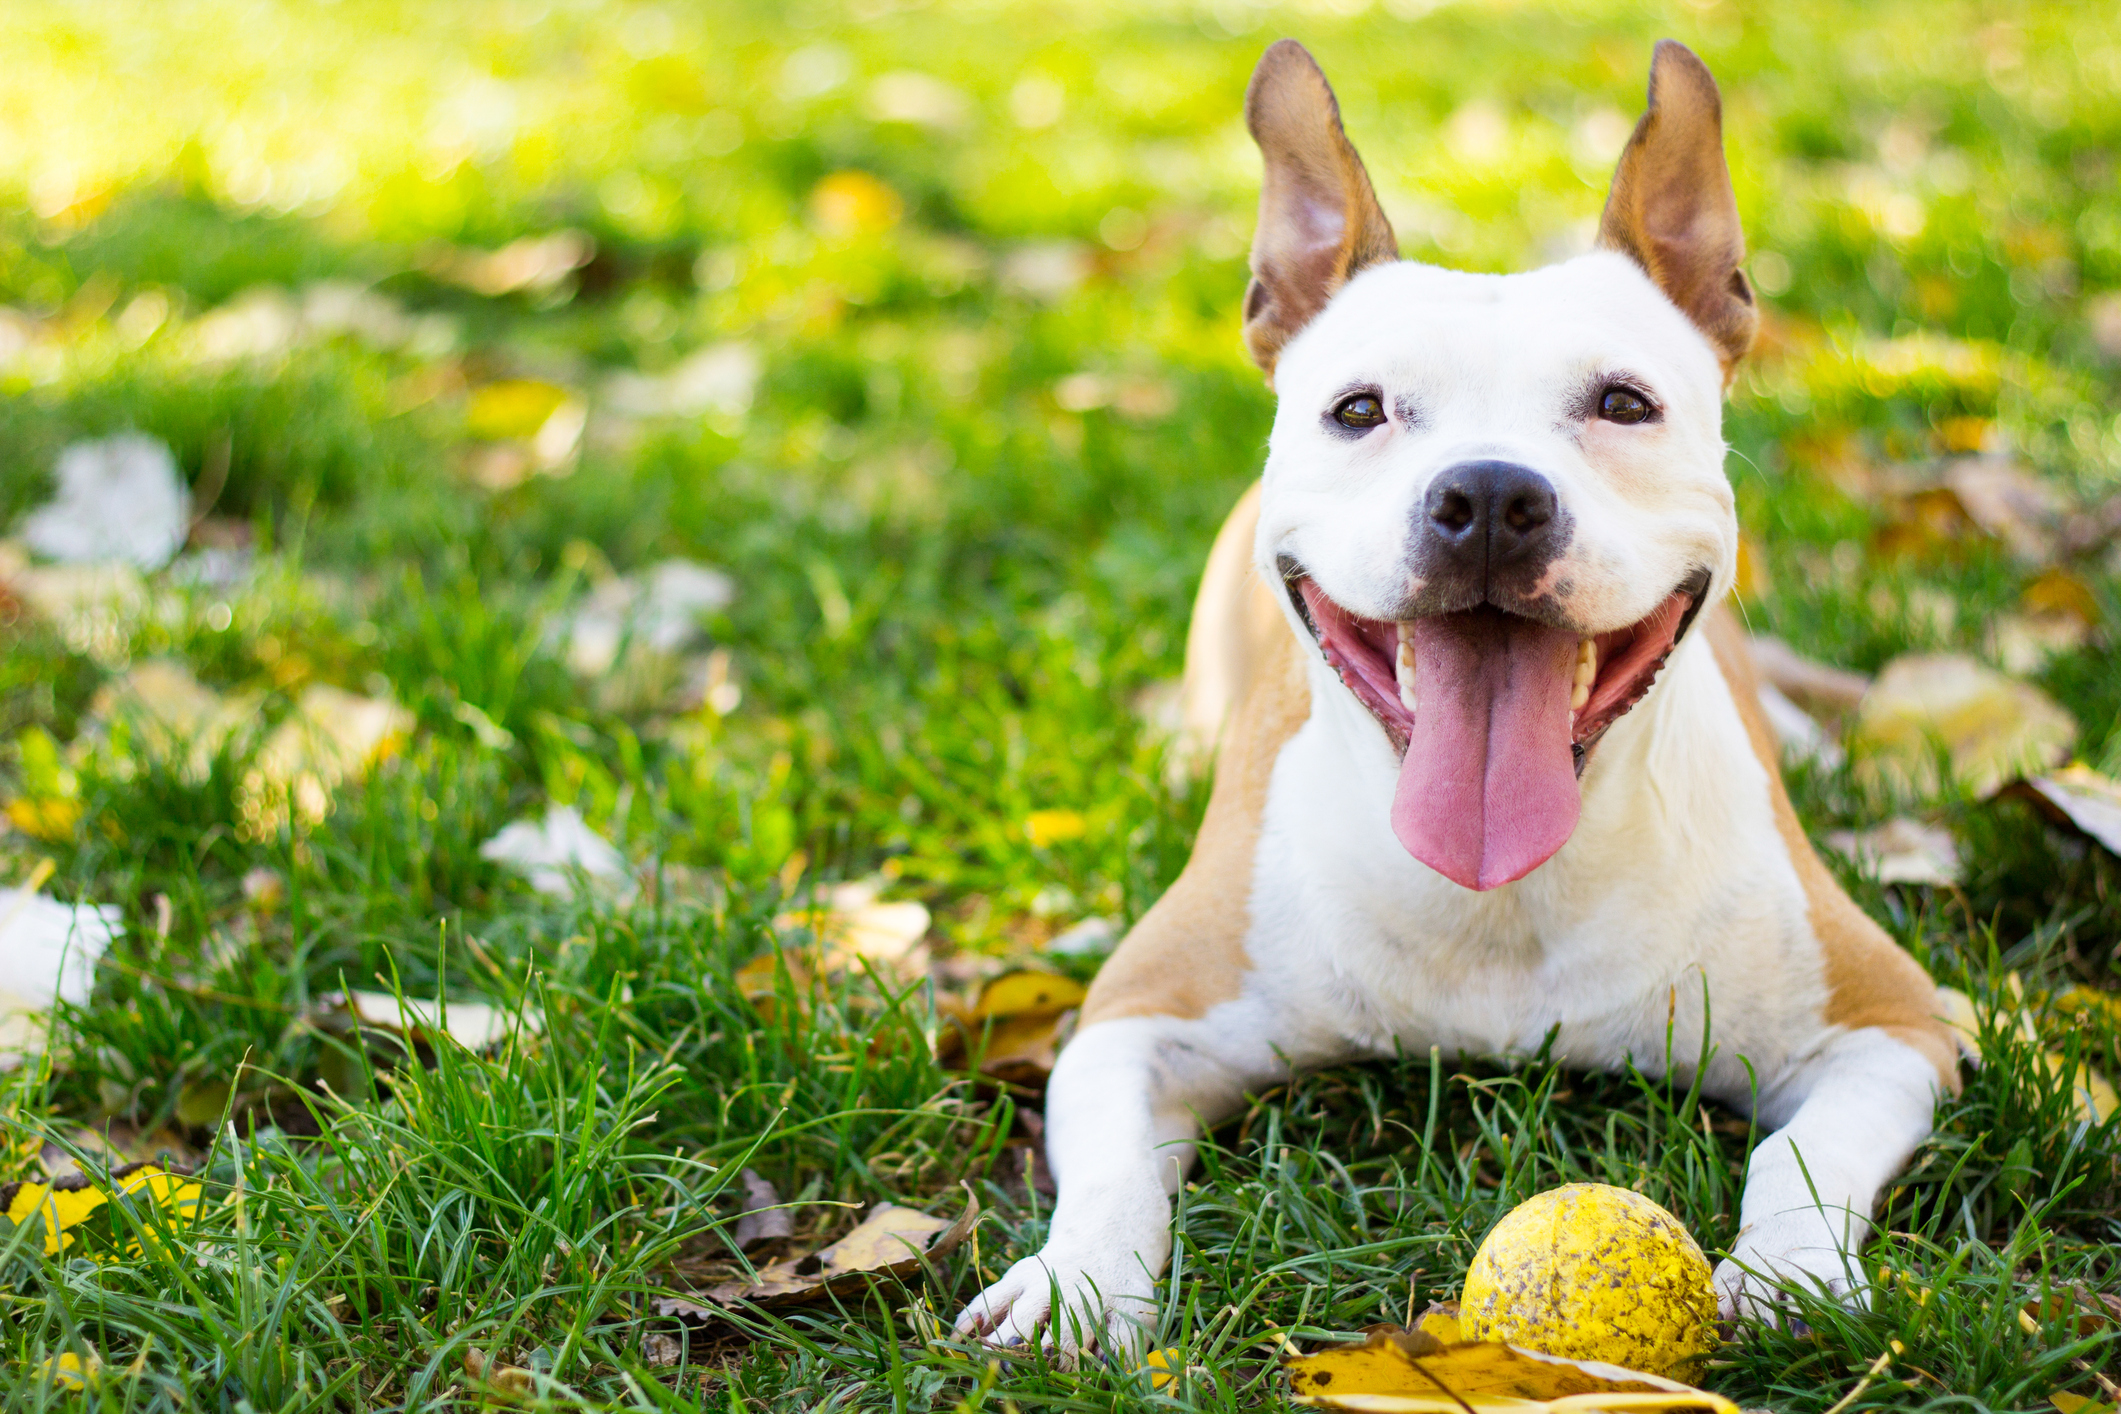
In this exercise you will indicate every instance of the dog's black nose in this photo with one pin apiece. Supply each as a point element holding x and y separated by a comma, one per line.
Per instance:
<point>1482,517</point>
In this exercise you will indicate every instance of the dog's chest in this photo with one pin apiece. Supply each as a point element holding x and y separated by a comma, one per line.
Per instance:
<point>1675,901</point>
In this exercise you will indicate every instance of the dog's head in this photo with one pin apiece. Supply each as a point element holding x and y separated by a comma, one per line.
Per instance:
<point>1496,501</point>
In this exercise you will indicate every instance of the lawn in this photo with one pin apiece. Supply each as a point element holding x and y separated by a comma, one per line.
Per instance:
<point>918,322</point>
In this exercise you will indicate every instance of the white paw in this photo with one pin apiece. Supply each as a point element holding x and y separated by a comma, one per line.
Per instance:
<point>1072,1302</point>
<point>1796,1252</point>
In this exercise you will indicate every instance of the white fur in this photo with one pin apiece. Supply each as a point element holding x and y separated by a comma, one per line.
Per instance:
<point>1674,892</point>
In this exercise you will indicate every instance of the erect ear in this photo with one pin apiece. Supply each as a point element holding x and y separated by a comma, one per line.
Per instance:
<point>1319,222</point>
<point>1671,207</point>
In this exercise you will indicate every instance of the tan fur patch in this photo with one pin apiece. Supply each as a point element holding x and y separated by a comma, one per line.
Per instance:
<point>1870,981</point>
<point>1187,954</point>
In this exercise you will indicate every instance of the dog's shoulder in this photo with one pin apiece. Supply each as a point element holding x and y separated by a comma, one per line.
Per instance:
<point>1870,981</point>
<point>1245,695</point>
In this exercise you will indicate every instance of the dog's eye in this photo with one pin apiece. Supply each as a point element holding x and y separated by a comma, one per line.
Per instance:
<point>1361,412</point>
<point>1623,405</point>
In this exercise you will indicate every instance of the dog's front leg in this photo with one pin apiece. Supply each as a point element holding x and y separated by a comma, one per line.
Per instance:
<point>1123,1108</point>
<point>1860,1109</point>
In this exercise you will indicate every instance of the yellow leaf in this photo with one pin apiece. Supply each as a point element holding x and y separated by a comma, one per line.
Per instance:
<point>70,1370</point>
<point>60,1209</point>
<point>516,407</point>
<point>1992,727</point>
<point>2068,1403</point>
<point>1440,1323</point>
<point>48,818</point>
<point>854,203</point>
<point>1406,1372</point>
<point>1164,1366</point>
<point>1029,993</point>
<point>1046,827</point>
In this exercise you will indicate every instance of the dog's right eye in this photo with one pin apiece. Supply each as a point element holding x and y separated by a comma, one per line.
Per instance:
<point>1361,412</point>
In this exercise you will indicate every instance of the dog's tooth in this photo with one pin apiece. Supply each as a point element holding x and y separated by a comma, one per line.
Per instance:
<point>1579,696</point>
<point>1404,667</point>
<point>1586,662</point>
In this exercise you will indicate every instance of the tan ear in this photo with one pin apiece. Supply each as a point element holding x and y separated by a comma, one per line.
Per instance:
<point>1671,206</point>
<point>1319,222</point>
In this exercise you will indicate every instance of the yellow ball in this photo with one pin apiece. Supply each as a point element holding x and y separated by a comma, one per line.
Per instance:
<point>1592,1272</point>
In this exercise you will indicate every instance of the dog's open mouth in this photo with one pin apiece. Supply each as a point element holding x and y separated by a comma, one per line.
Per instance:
<point>1494,715</point>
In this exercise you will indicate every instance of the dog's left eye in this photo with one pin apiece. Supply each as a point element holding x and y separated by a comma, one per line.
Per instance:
<point>1361,412</point>
<point>1623,405</point>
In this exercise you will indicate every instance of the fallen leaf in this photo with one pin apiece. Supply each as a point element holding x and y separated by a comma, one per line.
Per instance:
<point>531,263</point>
<point>721,378</point>
<point>2080,797</point>
<point>1164,1366</point>
<point>891,1242</point>
<point>1902,851</point>
<point>1440,1323</point>
<point>474,1025</point>
<point>70,1370</point>
<point>659,1350</point>
<point>560,854</point>
<point>763,1220</point>
<point>1093,937</point>
<point>1992,727</point>
<point>1408,1372</point>
<point>1029,994</point>
<point>171,715</point>
<point>2093,1099</point>
<point>1823,690</point>
<point>2067,1403</point>
<point>1016,1027</point>
<point>2023,643</point>
<point>1798,733</point>
<point>850,924</point>
<point>508,1381</point>
<point>2007,501</point>
<point>332,736</point>
<point>64,1206</point>
<point>634,626</point>
<point>1050,827</point>
<point>48,954</point>
<point>119,499</point>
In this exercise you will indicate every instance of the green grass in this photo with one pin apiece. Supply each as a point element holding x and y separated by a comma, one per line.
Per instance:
<point>954,585</point>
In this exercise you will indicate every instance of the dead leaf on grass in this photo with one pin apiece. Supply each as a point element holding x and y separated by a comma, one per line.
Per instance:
<point>763,1220</point>
<point>1016,1027</point>
<point>1902,851</point>
<point>891,1242</point>
<point>2079,797</point>
<point>48,953</point>
<point>331,737</point>
<point>851,924</point>
<point>1397,1371</point>
<point>1825,691</point>
<point>65,1205</point>
<point>510,1382</point>
<point>474,1025</point>
<point>2067,1403</point>
<point>1992,727</point>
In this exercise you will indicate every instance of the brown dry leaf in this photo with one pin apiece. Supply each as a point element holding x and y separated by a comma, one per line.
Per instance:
<point>510,1382</point>
<point>764,1219</point>
<point>1992,727</point>
<point>1396,1371</point>
<point>891,1242</point>
<point>173,716</point>
<point>332,736</point>
<point>2006,500</point>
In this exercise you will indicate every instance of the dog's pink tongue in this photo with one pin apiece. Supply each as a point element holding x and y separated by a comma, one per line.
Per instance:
<point>1488,789</point>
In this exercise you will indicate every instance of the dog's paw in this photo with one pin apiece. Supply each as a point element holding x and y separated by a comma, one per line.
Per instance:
<point>1768,1264</point>
<point>1073,1303</point>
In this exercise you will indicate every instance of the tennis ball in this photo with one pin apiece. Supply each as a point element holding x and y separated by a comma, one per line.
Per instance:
<point>1592,1272</point>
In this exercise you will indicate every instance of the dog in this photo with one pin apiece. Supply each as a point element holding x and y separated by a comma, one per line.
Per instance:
<point>1491,762</point>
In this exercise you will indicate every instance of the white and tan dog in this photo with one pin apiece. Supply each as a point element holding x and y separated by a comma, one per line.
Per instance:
<point>1491,757</point>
